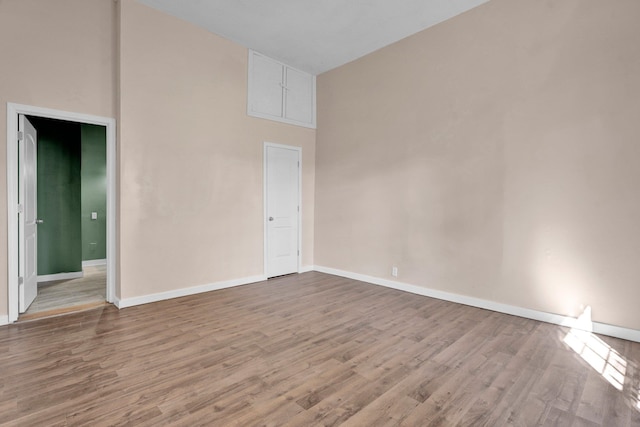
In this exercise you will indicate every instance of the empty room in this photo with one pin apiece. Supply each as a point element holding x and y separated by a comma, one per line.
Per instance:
<point>357,213</point>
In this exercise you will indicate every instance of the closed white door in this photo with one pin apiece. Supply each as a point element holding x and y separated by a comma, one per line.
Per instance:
<point>28,229</point>
<point>266,86</point>
<point>282,206</point>
<point>298,96</point>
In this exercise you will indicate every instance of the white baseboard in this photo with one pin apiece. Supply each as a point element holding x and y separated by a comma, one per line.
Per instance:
<point>307,268</point>
<point>60,276</point>
<point>557,319</point>
<point>145,299</point>
<point>93,262</point>
<point>4,320</point>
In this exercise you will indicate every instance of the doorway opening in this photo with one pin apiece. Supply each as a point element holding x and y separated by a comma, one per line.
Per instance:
<point>71,195</point>
<point>63,199</point>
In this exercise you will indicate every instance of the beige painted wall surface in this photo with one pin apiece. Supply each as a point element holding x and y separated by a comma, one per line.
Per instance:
<point>495,155</point>
<point>191,159</point>
<point>55,54</point>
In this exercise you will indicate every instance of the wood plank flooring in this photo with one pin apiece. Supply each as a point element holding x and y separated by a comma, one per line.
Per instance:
<point>311,349</point>
<point>61,296</point>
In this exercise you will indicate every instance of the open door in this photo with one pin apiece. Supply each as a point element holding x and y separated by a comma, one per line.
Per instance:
<point>28,222</point>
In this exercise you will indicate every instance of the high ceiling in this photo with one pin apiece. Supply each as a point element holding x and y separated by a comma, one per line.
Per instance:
<point>314,35</point>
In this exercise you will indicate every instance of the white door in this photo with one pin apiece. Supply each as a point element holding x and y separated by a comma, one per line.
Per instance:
<point>266,86</point>
<point>298,93</point>
<point>28,240</point>
<point>282,207</point>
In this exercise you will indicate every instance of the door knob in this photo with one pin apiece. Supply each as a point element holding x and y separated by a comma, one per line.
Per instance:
<point>39,221</point>
<point>270,218</point>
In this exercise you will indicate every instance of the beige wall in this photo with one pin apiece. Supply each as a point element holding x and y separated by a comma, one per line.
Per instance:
<point>191,204</point>
<point>55,54</point>
<point>495,155</point>
<point>189,158</point>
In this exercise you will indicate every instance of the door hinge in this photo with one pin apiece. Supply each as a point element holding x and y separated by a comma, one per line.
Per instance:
<point>20,280</point>
<point>298,208</point>
<point>20,209</point>
<point>298,163</point>
<point>20,135</point>
<point>298,252</point>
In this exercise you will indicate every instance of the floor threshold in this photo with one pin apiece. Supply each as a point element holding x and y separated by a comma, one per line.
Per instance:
<point>60,311</point>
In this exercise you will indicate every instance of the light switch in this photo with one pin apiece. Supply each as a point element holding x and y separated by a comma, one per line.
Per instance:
<point>94,215</point>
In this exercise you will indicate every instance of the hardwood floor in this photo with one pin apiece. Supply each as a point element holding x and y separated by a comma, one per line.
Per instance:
<point>312,349</point>
<point>63,296</point>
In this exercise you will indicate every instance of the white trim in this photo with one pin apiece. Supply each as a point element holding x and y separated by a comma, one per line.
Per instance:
<point>306,269</point>
<point>60,276</point>
<point>94,262</point>
<point>4,320</point>
<point>13,111</point>
<point>264,201</point>
<point>161,296</point>
<point>557,319</point>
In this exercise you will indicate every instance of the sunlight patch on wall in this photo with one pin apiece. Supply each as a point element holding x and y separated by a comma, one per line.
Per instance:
<point>560,273</point>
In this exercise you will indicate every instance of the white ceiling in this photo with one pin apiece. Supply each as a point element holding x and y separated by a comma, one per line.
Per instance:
<point>314,35</point>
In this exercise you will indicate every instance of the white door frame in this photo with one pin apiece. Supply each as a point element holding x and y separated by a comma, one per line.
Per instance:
<point>13,111</point>
<point>264,203</point>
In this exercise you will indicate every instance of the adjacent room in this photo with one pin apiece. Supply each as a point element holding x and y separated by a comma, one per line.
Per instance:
<point>320,213</point>
<point>71,206</point>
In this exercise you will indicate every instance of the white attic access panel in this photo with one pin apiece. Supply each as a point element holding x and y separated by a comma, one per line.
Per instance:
<point>279,92</point>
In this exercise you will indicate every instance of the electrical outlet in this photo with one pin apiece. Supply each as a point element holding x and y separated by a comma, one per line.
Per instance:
<point>394,271</point>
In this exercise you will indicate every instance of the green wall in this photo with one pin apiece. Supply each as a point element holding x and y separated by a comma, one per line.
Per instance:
<point>72,183</point>
<point>94,191</point>
<point>59,236</point>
